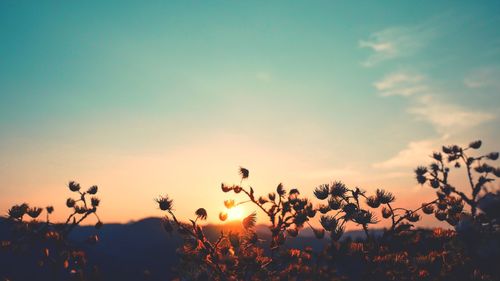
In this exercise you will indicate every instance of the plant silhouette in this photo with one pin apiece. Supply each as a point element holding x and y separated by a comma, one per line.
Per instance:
<point>401,252</point>
<point>50,241</point>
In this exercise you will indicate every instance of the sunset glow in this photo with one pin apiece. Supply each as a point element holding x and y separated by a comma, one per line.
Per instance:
<point>165,98</point>
<point>235,214</point>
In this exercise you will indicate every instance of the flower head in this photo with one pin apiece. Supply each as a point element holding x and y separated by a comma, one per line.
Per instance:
<point>321,192</point>
<point>338,189</point>
<point>34,212</point>
<point>73,186</point>
<point>92,189</point>
<point>201,213</point>
<point>164,203</point>
<point>244,173</point>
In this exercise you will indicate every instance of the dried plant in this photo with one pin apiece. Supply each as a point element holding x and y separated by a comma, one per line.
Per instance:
<point>51,240</point>
<point>401,253</point>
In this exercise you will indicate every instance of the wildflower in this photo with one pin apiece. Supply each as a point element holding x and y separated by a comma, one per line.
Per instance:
<point>442,205</point>
<point>438,156</point>
<point>384,197</point>
<point>412,216</point>
<point>365,217</point>
<point>434,183</point>
<point>328,222</point>
<point>34,212</point>
<point>492,156</point>
<point>49,209</point>
<point>386,212</point>
<point>95,201</point>
<point>338,189</point>
<point>280,190</point>
<point>349,209</point>
<point>310,212</point>
<point>70,202</point>
<point>262,200</point>
<point>440,215</point>
<point>164,203</point>
<point>237,189</point>
<point>201,214</point>
<point>434,167</point>
<point>249,221</point>
<point>73,186</point>
<point>92,190</point>
<point>226,188</point>
<point>323,208</point>
<point>244,173</point>
<point>321,192</point>
<point>475,144</point>
<point>80,209</point>
<point>18,211</point>
<point>373,201</point>
<point>299,219</point>
<point>420,172</point>
<point>427,209</point>
<point>272,196</point>
<point>294,191</point>
<point>222,216</point>
<point>229,203</point>
<point>334,204</point>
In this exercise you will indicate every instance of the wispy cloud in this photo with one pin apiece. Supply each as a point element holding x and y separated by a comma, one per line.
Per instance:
<point>400,84</point>
<point>427,104</point>
<point>484,77</point>
<point>446,117</point>
<point>396,42</point>
<point>414,154</point>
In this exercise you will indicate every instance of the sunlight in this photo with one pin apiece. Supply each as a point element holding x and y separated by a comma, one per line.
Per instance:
<point>235,214</point>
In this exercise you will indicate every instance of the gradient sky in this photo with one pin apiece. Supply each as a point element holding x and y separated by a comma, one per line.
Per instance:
<point>171,97</point>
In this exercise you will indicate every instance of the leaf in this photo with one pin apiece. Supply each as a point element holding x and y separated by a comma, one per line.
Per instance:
<point>250,220</point>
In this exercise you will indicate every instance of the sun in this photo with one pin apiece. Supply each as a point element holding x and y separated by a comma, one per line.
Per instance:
<point>236,213</point>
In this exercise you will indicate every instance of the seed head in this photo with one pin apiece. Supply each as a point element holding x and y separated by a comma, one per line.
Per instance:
<point>164,203</point>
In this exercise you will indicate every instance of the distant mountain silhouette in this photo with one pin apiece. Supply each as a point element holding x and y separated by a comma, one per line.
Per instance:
<point>125,251</point>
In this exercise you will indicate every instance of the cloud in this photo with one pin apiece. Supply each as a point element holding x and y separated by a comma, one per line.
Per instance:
<point>447,117</point>
<point>400,84</point>
<point>396,42</point>
<point>484,77</point>
<point>351,174</point>
<point>414,154</point>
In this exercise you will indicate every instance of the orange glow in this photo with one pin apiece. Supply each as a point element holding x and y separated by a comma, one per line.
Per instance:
<point>235,214</point>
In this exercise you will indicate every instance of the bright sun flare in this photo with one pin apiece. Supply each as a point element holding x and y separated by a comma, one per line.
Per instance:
<point>235,213</point>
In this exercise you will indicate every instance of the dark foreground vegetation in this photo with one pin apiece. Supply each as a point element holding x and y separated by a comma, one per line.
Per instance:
<point>468,250</point>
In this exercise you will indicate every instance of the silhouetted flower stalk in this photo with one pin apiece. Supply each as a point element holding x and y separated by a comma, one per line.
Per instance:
<point>441,255</point>
<point>450,200</point>
<point>58,252</point>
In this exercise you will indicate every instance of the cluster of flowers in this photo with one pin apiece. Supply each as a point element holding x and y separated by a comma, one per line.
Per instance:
<point>49,241</point>
<point>400,252</point>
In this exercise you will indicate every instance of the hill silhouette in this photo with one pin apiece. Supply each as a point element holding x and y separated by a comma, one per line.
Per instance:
<point>127,251</point>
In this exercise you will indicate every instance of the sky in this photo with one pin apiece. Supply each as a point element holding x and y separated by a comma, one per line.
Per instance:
<point>172,97</point>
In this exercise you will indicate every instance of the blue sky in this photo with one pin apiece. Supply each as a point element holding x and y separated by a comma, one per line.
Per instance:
<point>169,96</point>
